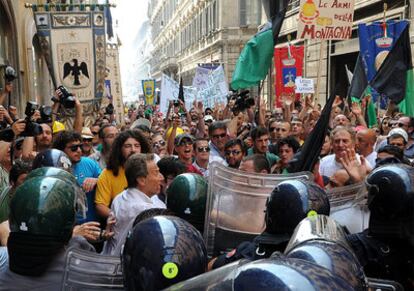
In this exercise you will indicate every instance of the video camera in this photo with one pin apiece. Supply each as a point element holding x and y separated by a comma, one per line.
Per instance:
<point>242,101</point>
<point>9,74</point>
<point>66,99</point>
<point>32,128</point>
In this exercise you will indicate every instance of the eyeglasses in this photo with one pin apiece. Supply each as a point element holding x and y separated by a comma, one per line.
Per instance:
<point>203,149</point>
<point>75,147</point>
<point>185,143</point>
<point>223,135</point>
<point>159,143</point>
<point>234,153</point>
<point>87,139</point>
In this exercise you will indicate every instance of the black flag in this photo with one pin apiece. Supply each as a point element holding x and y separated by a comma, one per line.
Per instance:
<point>359,80</point>
<point>306,159</point>
<point>181,91</point>
<point>275,11</point>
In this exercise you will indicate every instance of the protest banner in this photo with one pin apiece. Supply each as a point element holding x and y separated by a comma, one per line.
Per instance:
<point>325,19</point>
<point>304,86</point>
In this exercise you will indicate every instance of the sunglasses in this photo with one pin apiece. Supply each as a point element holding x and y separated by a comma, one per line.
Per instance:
<point>185,143</point>
<point>87,139</point>
<point>95,132</point>
<point>203,149</point>
<point>234,153</point>
<point>223,135</point>
<point>75,147</point>
<point>158,144</point>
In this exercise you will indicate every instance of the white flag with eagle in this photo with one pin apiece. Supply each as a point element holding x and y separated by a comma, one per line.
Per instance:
<point>74,44</point>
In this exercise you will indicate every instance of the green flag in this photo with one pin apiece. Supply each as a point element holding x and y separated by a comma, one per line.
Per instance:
<point>256,57</point>
<point>254,61</point>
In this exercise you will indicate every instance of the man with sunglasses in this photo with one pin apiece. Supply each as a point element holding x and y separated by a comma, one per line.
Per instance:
<point>87,142</point>
<point>184,148</point>
<point>202,156</point>
<point>84,169</point>
<point>218,138</point>
<point>235,150</point>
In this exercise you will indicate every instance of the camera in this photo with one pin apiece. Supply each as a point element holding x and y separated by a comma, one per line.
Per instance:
<point>242,101</point>
<point>109,110</point>
<point>66,99</point>
<point>32,128</point>
<point>9,74</point>
<point>45,114</point>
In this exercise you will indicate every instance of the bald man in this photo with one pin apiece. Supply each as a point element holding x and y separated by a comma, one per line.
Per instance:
<point>365,141</point>
<point>341,120</point>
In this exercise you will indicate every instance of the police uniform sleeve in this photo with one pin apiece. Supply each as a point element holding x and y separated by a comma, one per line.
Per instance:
<point>103,189</point>
<point>245,250</point>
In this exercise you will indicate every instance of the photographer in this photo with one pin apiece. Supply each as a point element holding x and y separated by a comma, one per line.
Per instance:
<point>36,142</point>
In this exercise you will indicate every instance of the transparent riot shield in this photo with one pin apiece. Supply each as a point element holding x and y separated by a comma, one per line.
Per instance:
<point>236,203</point>
<point>220,279</point>
<point>90,271</point>
<point>383,285</point>
<point>348,206</point>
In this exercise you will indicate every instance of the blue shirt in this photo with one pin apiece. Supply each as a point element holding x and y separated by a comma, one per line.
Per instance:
<point>87,168</point>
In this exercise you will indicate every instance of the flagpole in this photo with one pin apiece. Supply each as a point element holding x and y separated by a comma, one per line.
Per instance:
<point>319,71</point>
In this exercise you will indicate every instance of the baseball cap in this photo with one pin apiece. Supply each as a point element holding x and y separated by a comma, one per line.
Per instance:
<point>208,118</point>
<point>398,131</point>
<point>179,138</point>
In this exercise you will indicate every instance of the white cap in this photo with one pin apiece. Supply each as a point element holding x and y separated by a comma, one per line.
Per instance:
<point>398,131</point>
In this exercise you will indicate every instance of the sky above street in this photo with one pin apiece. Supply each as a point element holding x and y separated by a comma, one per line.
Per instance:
<point>128,17</point>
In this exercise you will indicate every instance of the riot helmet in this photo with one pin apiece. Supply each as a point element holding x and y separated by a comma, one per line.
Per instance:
<point>322,241</point>
<point>290,202</point>
<point>52,158</point>
<point>279,273</point>
<point>161,251</point>
<point>44,206</point>
<point>391,201</point>
<point>187,198</point>
<point>59,173</point>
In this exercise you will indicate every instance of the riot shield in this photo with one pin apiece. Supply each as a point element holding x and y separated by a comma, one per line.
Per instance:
<point>220,279</point>
<point>348,206</point>
<point>236,202</point>
<point>383,285</point>
<point>90,271</point>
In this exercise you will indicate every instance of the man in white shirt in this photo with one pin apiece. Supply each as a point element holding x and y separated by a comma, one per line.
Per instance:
<point>144,182</point>
<point>343,139</point>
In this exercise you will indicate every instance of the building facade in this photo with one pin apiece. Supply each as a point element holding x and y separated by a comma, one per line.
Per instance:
<point>331,60</point>
<point>186,33</point>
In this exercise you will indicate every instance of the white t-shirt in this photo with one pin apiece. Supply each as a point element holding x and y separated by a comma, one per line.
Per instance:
<point>328,165</point>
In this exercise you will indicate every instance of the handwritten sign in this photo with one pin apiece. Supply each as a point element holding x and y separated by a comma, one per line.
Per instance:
<point>304,85</point>
<point>325,19</point>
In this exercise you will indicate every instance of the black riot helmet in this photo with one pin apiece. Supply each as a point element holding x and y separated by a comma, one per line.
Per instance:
<point>290,202</point>
<point>391,201</point>
<point>161,251</point>
<point>52,158</point>
<point>187,198</point>
<point>278,273</point>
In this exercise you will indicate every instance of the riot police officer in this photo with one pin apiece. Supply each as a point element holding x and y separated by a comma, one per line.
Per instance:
<point>289,202</point>
<point>52,158</point>
<point>42,216</point>
<point>386,248</point>
<point>161,251</point>
<point>187,198</point>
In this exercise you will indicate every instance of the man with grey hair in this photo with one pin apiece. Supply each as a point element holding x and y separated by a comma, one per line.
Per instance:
<point>144,182</point>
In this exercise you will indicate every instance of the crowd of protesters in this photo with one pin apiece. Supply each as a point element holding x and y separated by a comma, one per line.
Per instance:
<point>119,184</point>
